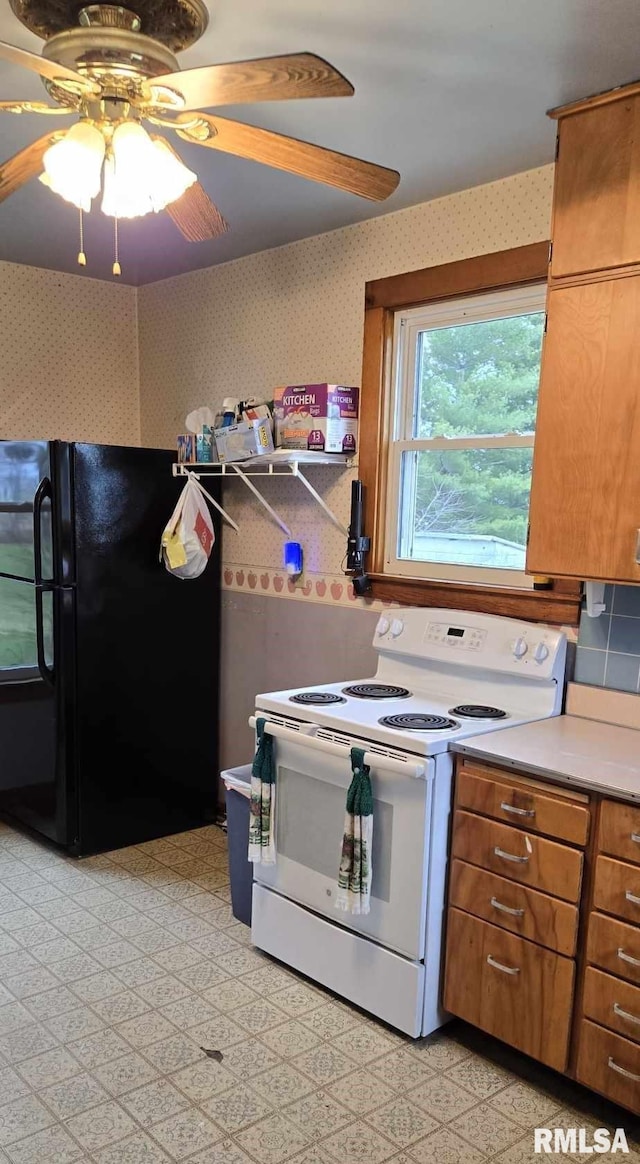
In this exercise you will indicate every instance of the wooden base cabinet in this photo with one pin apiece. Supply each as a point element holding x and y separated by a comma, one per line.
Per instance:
<point>536,955</point>
<point>509,987</point>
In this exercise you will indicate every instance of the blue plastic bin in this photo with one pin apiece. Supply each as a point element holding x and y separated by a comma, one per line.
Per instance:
<point>237,783</point>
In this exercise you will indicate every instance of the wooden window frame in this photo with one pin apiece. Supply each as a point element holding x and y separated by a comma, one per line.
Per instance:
<point>558,605</point>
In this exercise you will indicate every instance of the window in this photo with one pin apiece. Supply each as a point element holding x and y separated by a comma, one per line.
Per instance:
<point>463,404</point>
<point>447,409</point>
<point>22,465</point>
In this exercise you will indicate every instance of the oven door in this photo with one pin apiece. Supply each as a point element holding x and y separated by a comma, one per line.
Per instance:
<point>311,789</point>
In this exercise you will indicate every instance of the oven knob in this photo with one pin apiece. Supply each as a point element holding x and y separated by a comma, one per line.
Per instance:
<point>519,647</point>
<point>541,652</point>
<point>383,626</point>
<point>397,627</point>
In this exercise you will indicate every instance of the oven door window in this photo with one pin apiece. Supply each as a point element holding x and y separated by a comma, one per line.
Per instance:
<point>301,798</point>
<point>311,790</point>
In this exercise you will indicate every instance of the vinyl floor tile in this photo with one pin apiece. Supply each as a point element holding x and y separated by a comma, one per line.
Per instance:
<point>116,972</point>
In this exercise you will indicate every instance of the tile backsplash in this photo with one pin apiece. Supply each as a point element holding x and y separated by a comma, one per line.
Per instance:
<point>608,653</point>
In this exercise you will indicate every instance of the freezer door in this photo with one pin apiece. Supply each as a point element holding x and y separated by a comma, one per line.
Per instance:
<point>147,657</point>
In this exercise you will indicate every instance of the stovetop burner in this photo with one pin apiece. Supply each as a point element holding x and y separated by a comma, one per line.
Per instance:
<point>316,698</point>
<point>478,711</point>
<point>418,722</point>
<point>376,691</point>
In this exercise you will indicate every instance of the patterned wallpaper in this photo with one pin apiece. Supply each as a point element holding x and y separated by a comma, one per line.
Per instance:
<point>68,357</point>
<point>295,315</point>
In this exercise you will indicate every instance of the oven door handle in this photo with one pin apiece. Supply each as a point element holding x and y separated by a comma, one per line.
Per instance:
<point>306,738</point>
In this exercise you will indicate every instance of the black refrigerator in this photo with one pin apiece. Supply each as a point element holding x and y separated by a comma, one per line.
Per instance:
<point>109,666</point>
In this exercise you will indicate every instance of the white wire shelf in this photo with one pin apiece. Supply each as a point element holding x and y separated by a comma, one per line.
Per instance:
<point>285,459</point>
<point>282,463</point>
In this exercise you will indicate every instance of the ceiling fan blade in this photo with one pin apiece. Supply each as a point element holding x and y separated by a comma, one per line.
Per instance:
<point>266,79</point>
<point>195,215</point>
<point>35,107</point>
<point>24,165</point>
<point>296,157</point>
<point>48,69</point>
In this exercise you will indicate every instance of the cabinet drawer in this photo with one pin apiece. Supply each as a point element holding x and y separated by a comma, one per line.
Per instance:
<point>514,907</point>
<point>609,1064</point>
<point>522,803</point>
<point>619,832</point>
<point>509,987</point>
<point>612,1003</point>
<point>617,889</point>
<point>614,946</point>
<point>518,855</point>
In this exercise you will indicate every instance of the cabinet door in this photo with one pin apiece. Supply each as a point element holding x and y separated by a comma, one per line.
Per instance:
<point>596,219</point>
<point>509,987</point>
<point>585,495</point>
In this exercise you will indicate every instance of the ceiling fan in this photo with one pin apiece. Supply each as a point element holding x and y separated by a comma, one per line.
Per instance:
<point>115,67</point>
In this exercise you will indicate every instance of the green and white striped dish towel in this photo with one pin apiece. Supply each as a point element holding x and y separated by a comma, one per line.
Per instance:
<point>354,877</point>
<point>262,848</point>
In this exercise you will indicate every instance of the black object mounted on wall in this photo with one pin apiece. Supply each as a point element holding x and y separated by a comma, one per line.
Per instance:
<point>357,544</point>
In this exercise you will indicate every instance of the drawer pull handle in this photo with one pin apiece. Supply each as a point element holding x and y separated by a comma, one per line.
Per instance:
<point>627,957</point>
<point>506,908</point>
<point>622,1070</point>
<point>632,897</point>
<point>509,856</point>
<point>499,966</point>
<point>624,1014</point>
<point>529,812</point>
<point>635,837</point>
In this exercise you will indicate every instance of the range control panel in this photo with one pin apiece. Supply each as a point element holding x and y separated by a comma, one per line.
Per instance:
<point>468,639</point>
<point>462,638</point>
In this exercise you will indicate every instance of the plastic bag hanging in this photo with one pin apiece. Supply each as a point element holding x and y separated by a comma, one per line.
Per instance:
<point>188,537</point>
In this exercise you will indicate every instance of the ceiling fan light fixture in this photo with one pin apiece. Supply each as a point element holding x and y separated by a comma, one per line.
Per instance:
<point>141,175</point>
<point>73,166</point>
<point>171,178</point>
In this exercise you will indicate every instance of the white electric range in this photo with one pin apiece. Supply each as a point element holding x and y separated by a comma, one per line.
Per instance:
<point>441,675</point>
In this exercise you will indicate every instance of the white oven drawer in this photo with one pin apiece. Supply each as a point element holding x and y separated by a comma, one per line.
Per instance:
<point>373,978</point>
<point>409,838</point>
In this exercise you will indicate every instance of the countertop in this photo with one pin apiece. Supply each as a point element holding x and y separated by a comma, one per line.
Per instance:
<point>567,749</point>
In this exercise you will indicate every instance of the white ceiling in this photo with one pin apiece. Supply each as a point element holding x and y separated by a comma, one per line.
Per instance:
<point>451,93</point>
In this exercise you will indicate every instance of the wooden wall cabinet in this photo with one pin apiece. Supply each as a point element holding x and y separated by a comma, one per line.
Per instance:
<point>596,217</point>
<point>585,496</point>
<point>550,967</point>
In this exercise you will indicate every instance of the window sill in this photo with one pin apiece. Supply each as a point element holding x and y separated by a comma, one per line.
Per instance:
<point>559,606</point>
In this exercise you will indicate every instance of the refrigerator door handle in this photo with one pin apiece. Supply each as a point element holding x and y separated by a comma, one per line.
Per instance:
<point>46,672</point>
<point>44,490</point>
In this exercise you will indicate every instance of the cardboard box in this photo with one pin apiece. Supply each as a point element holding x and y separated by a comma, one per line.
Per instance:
<point>186,448</point>
<point>239,442</point>
<point>204,445</point>
<point>320,417</point>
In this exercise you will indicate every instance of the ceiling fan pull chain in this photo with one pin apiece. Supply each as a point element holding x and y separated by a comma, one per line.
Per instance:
<point>82,258</point>
<point>116,269</point>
